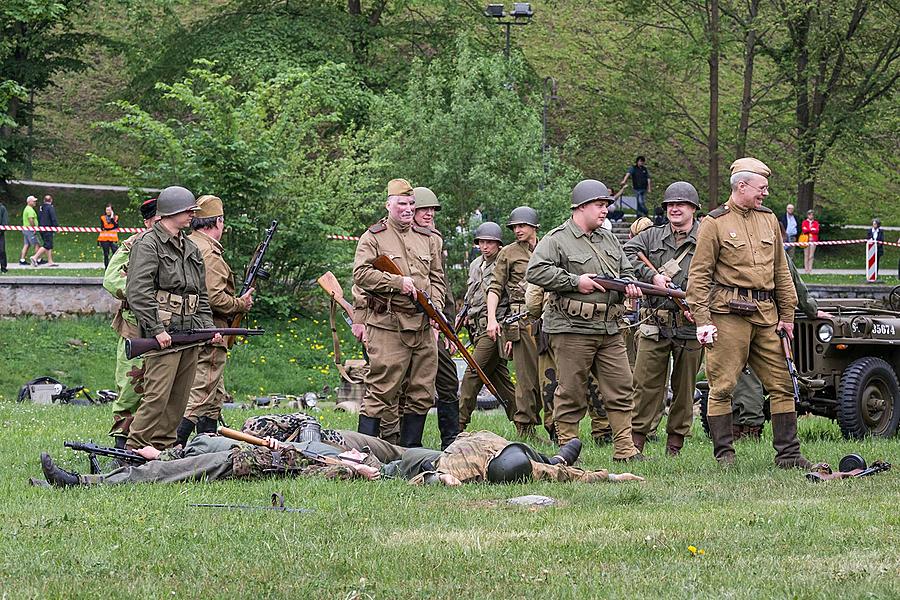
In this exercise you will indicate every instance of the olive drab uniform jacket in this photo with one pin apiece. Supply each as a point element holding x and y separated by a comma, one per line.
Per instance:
<point>508,283</point>
<point>671,253</point>
<point>740,254</point>
<point>166,283</point>
<point>481,275</point>
<point>417,251</point>
<point>114,278</point>
<point>219,280</point>
<point>561,257</point>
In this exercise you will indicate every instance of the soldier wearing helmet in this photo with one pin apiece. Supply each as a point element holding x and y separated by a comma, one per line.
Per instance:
<point>662,255</point>
<point>487,352</point>
<point>582,320</point>
<point>166,290</point>
<point>508,286</point>
<point>402,348</point>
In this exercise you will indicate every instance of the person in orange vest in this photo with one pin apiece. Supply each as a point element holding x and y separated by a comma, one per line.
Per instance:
<point>109,237</point>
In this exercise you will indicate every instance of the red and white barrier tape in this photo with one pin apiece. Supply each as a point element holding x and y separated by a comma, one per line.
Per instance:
<point>346,238</point>
<point>70,229</point>
<point>838,243</point>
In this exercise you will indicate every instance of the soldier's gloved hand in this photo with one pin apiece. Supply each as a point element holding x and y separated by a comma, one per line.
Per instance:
<point>164,339</point>
<point>707,334</point>
<point>359,332</point>
<point>788,328</point>
<point>661,280</point>
<point>586,284</point>
<point>407,286</point>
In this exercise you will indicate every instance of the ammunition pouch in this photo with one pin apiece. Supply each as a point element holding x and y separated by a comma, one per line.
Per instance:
<point>379,305</point>
<point>663,318</point>
<point>590,311</point>
<point>648,331</point>
<point>743,301</point>
<point>169,305</point>
<point>742,307</point>
<point>123,327</point>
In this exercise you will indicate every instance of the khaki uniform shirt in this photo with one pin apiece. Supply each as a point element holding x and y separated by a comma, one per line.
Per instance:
<point>162,262</point>
<point>660,245</point>
<point>219,280</point>
<point>481,275</point>
<point>740,248</point>
<point>509,273</point>
<point>560,259</point>
<point>417,251</point>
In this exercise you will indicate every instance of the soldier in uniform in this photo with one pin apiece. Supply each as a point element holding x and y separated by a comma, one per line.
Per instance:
<point>583,318</point>
<point>166,290</point>
<point>666,331</point>
<point>487,352</point>
<point>741,295</point>
<point>508,286</point>
<point>129,372</point>
<point>208,391</point>
<point>402,347</point>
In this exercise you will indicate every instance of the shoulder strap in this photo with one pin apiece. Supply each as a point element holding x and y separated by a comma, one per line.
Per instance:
<point>715,214</point>
<point>612,269</point>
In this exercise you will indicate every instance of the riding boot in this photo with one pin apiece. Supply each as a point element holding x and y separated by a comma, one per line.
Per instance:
<point>184,431</point>
<point>568,453</point>
<point>639,440</point>
<point>207,425</point>
<point>56,476</point>
<point>674,444</point>
<point>369,425</point>
<point>448,422</point>
<point>786,442</point>
<point>412,427</point>
<point>720,430</point>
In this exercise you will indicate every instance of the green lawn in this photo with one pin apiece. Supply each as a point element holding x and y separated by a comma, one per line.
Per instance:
<point>763,532</point>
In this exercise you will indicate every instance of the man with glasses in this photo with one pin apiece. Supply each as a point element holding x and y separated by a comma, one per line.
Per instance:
<point>742,297</point>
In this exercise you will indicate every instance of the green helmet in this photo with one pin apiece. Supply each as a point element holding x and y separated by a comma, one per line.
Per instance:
<point>588,190</point>
<point>425,198</point>
<point>173,200</point>
<point>511,465</point>
<point>681,191</point>
<point>489,231</point>
<point>523,215</point>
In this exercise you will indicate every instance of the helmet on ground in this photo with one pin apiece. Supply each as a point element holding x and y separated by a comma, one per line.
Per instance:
<point>681,191</point>
<point>510,465</point>
<point>523,215</point>
<point>173,200</point>
<point>425,198</point>
<point>589,190</point>
<point>489,231</point>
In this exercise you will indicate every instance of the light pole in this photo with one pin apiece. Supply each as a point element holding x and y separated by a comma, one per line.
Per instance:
<point>549,96</point>
<point>520,15</point>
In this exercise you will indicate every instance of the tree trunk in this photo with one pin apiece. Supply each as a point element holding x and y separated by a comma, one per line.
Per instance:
<point>805,135</point>
<point>713,140</point>
<point>740,148</point>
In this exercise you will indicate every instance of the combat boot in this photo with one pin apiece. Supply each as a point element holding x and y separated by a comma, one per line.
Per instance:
<point>184,431</point>
<point>603,439</point>
<point>753,432</point>
<point>674,444</point>
<point>369,425</point>
<point>568,453</point>
<point>412,427</point>
<point>720,430</point>
<point>566,432</point>
<point>448,422</point>
<point>56,476</point>
<point>786,442</point>
<point>639,439</point>
<point>207,425</point>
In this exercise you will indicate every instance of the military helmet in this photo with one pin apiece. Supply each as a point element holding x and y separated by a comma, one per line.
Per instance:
<point>425,198</point>
<point>588,190</point>
<point>173,200</point>
<point>523,215</point>
<point>681,191</point>
<point>512,464</point>
<point>489,231</point>
<point>639,225</point>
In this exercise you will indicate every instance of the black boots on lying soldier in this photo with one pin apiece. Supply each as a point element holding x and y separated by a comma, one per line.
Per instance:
<point>55,475</point>
<point>369,426</point>
<point>568,453</point>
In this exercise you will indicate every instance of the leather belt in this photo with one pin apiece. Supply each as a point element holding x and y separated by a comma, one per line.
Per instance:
<point>758,295</point>
<point>379,306</point>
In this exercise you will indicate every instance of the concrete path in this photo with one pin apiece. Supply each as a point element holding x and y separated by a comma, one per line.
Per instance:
<point>63,265</point>
<point>78,186</point>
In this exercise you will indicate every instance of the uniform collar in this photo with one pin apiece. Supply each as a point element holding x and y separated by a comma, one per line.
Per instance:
<point>217,246</point>
<point>165,236</point>
<point>397,225</point>
<point>733,206</point>
<point>691,234</point>
<point>578,232</point>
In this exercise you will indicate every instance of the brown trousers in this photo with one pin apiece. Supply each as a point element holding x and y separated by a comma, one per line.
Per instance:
<point>650,370</point>
<point>599,422</point>
<point>167,386</point>
<point>528,394</point>
<point>395,358</point>
<point>487,355</point>
<point>743,343</point>
<point>208,391</point>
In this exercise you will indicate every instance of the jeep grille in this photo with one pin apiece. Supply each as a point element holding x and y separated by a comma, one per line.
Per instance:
<point>804,345</point>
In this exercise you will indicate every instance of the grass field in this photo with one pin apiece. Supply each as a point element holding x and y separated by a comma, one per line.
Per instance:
<point>762,532</point>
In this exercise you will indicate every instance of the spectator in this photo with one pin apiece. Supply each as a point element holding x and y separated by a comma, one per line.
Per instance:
<point>877,234</point>
<point>29,219</point>
<point>640,183</point>
<point>4,220</point>
<point>659,216</point>
<point>47,218</point>
<point>109,237</point>
<point>789,227</point>
<point>809,227</point>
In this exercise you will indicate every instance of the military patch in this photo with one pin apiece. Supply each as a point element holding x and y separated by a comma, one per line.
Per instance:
<point>732,234</point>
<point>422,230</point>
<point>763,209</point>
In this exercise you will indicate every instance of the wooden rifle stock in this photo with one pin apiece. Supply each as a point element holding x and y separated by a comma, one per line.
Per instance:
<point>332,286</point>
<point>384,263</point>
<point>789,361</point>
<point>679,302</point>
<point>135,347</point>
<point>249,438</point>
<point>674,294</point>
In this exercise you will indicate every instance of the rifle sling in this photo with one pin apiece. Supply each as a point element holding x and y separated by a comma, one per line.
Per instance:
<point>336,342</point>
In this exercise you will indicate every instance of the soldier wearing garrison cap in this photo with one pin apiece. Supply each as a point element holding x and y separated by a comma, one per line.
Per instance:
<point>741,295</point>
<point>582,319</point>
<point>402,345</point>
<point>208,390</point>
<point>166,290</point>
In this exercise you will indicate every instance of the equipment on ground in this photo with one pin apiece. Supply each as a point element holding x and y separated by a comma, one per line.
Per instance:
<point>93,451</point>
<point>135,347</point>
<point>255,271</point>
<point>277,505</point>
<point>46,390</point>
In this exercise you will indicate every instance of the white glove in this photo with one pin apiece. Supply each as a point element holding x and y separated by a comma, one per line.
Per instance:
<point>707,334</point>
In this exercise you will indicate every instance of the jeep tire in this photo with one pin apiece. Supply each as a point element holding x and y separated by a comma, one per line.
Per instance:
<point>868,399</point>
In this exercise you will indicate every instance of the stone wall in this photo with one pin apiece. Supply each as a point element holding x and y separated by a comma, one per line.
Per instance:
<point>874,291</point>
<point>54,296</point>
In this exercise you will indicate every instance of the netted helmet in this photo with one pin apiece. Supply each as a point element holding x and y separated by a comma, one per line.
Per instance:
<point>681,191</point>
<point>523,215</point>
<point>588,190</point>
<point>489,231</point>
<point>173,200</point>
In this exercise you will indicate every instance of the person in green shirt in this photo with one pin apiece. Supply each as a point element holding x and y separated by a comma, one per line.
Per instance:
<point>29,219</point>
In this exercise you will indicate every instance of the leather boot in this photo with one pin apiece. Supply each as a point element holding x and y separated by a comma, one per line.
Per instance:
<point>786,442</point>
<point>674,444</point>
<point>753,432</point>
<point>56,476</point>
<point>566,432</point>
<point>737,432</point>
<point>369,425</point>
<point>411,429</point>
<point>639,440</point>
<point>568,453</point>
<point>448,422</point>
<point>184,431</point>
<point>720,430</point>
<point>526,431</point>
<point>207,425</point>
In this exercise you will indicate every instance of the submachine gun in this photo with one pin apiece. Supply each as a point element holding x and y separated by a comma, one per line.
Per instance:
<point>255,270</point>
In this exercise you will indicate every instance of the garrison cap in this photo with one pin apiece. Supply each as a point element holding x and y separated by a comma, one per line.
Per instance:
<point>148,209</point>
<point>210,206</point>
<point>750,165</point>
<point>399,187</point>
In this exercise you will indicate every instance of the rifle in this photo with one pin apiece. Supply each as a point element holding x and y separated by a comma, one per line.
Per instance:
<point>461,317</point>
<point>514,318</point>
<point>135,347</point>
<point>94,451</point>
<point>674,294</point>
<point>384,263</point>
<point>332,286</point>
<point>789,360</point>
<point>249,438</point>
<point>681,304</point>
<point>255,270</point>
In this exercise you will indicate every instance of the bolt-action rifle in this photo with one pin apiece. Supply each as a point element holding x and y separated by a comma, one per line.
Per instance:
<point>93,451</point>
<point>332,287</point>
<point>249,438</point>
<point>384,263</point>
<point>672,293</point>
<point>679,302</point>
<point>135,347</point>
<point>789,360</point>
<point>255,270</point>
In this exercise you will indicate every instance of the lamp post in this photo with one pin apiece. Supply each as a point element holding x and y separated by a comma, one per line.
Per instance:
<point>549,96</point>
<point>520,15</point>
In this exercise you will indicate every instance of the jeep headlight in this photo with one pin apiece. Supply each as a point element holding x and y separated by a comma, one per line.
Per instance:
<point>825,332</point>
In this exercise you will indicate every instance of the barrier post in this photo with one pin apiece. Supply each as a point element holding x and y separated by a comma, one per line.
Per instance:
<point>871,261</point>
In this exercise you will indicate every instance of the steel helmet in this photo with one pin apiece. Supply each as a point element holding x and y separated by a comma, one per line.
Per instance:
<point>425,198</point>
<point>681,191</point>
<point>523,215</point>
<point>512,464</point>
<point>489,231</point>
<point>588,190</point>
<point>173,200</point>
